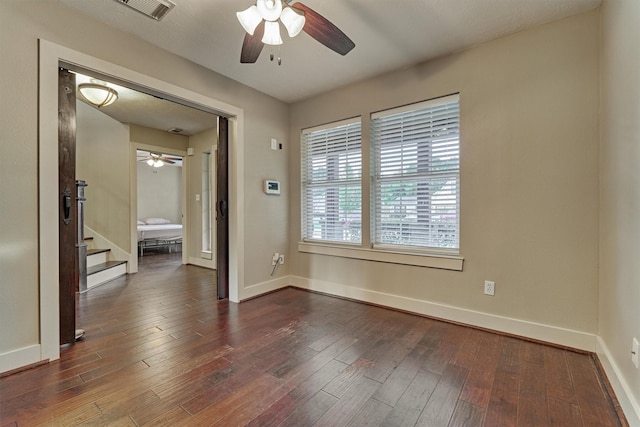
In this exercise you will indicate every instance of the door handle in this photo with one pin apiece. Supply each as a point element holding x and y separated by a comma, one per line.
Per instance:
<point>222,208</point>
<point>66,205</point>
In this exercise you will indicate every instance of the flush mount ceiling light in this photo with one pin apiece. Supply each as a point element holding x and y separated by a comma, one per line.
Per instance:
<point>262,24</point>
<point>98,93</point>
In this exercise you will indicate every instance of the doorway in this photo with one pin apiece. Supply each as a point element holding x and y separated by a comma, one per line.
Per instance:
<point>113,154</point>
<point>159,204</point>
<point>51,57</point>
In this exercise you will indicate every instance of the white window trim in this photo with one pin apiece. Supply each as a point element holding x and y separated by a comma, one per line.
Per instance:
<point>416,106</point>
<point>442,260</point>
<point>412,256</point>
<point>331,125</point>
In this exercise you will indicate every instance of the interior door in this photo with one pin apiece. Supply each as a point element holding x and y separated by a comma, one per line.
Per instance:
<point>222,212</point>
<point>68,260</point>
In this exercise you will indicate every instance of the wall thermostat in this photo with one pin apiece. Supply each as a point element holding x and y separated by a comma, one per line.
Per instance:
<point>271,187</point>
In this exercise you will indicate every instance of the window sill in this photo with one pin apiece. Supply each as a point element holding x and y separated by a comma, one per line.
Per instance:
<point>442,261</point>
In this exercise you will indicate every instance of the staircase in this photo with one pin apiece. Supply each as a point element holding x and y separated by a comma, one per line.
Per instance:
<point>100,269</point>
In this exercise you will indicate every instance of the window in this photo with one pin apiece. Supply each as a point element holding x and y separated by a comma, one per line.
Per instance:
<point>416,176</point>
<point>331,182</point>
<point>207,179</point>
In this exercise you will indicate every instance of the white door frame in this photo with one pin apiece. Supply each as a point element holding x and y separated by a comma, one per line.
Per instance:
<point>51,56</point>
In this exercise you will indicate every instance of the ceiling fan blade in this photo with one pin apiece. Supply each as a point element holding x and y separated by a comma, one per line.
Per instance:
<point>252,45</point>
<point>324,31</point>
<point>167,161</point>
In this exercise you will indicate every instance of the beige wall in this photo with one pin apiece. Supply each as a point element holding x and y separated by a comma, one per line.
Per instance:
<point>160,192</point>
<point>22,23</point>
<point>158,138</point>
<point>18,195</point>
<point>202,142</point>
<point>267,214</point>
<point>102,157</point>
<point>620,191</point>
<point>529,178</point>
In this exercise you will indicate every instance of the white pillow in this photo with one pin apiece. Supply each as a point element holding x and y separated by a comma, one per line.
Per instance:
<point>156,221</point>
<point>141,222</point>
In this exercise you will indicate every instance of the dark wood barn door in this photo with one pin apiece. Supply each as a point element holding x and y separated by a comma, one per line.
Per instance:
<point>68,261</point>
<point>222,210</point>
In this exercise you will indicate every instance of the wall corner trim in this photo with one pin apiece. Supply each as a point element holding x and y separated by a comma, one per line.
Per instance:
<point>259,289</point>
<point>630,406</point>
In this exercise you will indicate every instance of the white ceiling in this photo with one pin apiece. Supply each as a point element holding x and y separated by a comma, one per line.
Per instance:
<point>134,107</point>
<point>389,34</point>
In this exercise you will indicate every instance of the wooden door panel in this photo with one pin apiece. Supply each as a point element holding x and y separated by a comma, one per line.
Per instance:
<point>222,211</point>
<point>68,261</point>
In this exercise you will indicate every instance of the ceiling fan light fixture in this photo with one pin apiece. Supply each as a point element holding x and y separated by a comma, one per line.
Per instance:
<point>150,162</point>
<point>158,163</point>
<point>249,19</point>
<point>270,10</point>
<point>293,21</point>
<point>272,34</point>
<point>98,93</point>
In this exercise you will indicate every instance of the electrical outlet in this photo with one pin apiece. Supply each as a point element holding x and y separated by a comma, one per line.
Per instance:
<point>634,352</point>
<point>281,258</point>
<point>274,258</point>
<point>489,287</point>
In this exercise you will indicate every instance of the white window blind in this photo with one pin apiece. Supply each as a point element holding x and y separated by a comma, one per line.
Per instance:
<point>331,182</point>
<point>416,175</point>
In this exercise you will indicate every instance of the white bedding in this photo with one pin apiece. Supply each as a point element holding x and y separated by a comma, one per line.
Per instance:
<point>159,231</point>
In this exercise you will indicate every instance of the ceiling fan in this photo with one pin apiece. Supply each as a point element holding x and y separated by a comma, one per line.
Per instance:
<point>157,160</point>
<point>261,24</point>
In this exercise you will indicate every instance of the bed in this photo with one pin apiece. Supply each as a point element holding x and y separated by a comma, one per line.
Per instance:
<point>158,232</point>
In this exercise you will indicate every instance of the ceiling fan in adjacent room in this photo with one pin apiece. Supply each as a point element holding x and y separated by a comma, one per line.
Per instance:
<point>262,24</point>
<point>156,159</point>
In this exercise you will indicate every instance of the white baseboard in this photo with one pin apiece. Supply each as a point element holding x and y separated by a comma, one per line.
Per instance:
<point>19,358</point>
<point>105,276</point>
<point>206,263</point>
<point>264,287</point>
<point>552,334</point>
<point>630,406</point>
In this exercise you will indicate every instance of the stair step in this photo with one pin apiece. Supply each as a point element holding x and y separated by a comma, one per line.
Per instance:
<point>97,257</point>
<point>96,251</point>
<point>105,272</point>
<point>103,266</point>
<point>88,240</point>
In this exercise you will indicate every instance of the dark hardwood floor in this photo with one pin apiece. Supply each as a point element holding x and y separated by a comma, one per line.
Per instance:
<point>160,350</point>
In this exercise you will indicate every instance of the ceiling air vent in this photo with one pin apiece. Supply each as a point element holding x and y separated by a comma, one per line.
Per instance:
<point>155,9</point>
